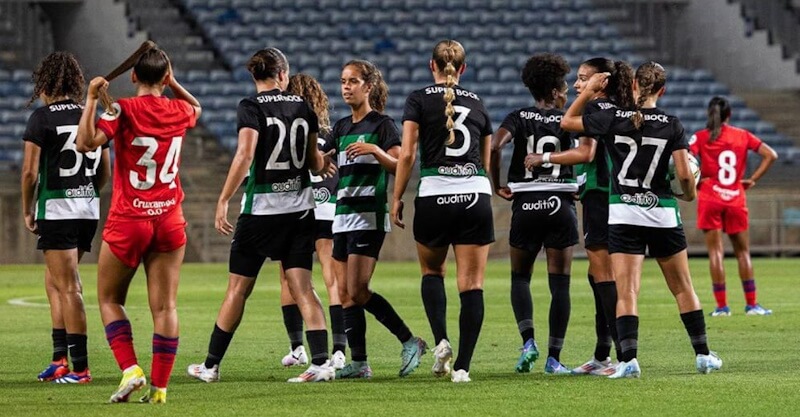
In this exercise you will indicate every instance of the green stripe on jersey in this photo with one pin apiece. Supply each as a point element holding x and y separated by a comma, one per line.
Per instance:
<point>466,170</point>
<point>372,138</point>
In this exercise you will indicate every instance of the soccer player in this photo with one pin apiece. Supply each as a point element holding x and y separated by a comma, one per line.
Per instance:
<point>593,179</point>
<point>307,87</point>
<point>145,222</point>
<point>277,146</point>
<point>543,210</point>
<point>64,209</point>
<point>453,206</point>
<point>367,144</point>
<point>721,202</point>
<point>643,214</point>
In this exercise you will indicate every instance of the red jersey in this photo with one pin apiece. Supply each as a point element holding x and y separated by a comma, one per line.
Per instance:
<point>722,163</point>
<point>148,133</point>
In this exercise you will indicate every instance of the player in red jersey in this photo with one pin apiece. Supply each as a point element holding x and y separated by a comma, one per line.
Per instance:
<point>721,202</point>
<point>145,222</point>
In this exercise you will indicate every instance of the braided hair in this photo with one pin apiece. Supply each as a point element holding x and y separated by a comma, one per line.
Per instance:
<point>449,56</point>
<point>650,77</point>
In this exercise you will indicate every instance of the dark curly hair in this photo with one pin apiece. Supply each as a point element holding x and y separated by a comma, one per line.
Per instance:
<point>372,76</point>
<point>544,72</point>
<point>59,74</point>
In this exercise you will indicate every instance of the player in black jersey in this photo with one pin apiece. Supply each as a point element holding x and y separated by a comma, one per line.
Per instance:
<point>307,87</point>
<point>453,205</point>
<point>643,212</point>
<point>367,144</point>
<point>543,205</point>
<point>278,146</point>
<point>593,180</point>
<point>64,209</point>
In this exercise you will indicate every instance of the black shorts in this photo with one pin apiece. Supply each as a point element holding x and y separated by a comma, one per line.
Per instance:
<point>543,219</point>
<point>595,219</point>
<point>455,219</point>
<point>66,234</point>
<point>659,242</point>
<point>357,242</point>
<point>288,238</point>
<point>324,229</point>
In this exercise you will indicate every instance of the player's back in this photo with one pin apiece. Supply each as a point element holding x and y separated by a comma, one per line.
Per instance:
<point>723,161</point>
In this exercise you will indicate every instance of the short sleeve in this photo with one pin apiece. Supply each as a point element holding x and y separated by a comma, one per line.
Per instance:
<point>598,123</point>
<point>35,130</point>
<point>413,108</point>
<point>694,144</point>
<point>510,123</point>
<point>247,115</point>
<point>190,113</point>
<point>325,143</point>
<point>390,136</point>
<point>486,129</point>
<point>681,141</point>
<point>312,119</point>
<point>109,123</point>
<point>753,142</point>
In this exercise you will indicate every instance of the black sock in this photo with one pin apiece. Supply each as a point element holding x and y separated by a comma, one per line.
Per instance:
<point>384,313</point>
<point>559,313</point>
<point>522,303</point>
<point>217,346</point>
<point>293,321</point>
<point>318,346</point>
<point>355,327</point>
<point>435,300</point>
<point>469,326</point>
<point>602,347</point>
<point>607,291</point>
<point>59,344</point>
<point>77,352</point>
<point>337,328</point>
<point>695,324</point>
<point>628,330</point>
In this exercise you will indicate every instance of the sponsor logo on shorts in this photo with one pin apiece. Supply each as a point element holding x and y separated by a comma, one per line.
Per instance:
<point>321,195</point>
<point>455,199</point>
<point>82,191</point>
<point>648,200</point>
<point>552,203</point>
<point>292,184</point>
<point>467,170</point>
<point>154,208</point>
<point>725,193</point>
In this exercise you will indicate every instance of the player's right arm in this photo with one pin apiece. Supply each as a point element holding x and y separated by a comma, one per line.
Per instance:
<point>30,175</point>
<point>499,140</point>
<point>684,174</point>
<point>183,94</point>
<point>89,138</point>
<point>405,162</point>
<point>245,153</point>
<point>581,154</point>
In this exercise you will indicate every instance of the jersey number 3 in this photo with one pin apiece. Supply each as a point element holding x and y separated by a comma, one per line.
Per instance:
<point>462,113</point>
<point>168,171</point>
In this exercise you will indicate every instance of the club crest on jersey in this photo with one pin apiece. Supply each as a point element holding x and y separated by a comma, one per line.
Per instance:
<point>112,116</point>
<point>321,195</point>
<point>647,200</point>
<point>467,170</point>
<point>292,184</point>
<point>553,204</point>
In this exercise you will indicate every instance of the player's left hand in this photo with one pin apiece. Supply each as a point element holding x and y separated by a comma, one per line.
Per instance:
<point>598,82</point>
<point>396,213</point>
<point>357,149</point>
<point>533,160</point>
<point>329,169</point>
<point>748,184</point>
<point>30,223</point>
<point>221,219</point>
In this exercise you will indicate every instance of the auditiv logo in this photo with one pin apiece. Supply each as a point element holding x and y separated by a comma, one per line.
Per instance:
<point>553,204</point>
<point>648,200</point>
<point>321,195</point>
<point>467,170</point>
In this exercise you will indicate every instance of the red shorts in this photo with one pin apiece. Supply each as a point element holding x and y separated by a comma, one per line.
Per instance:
<point>712,215</point>
<point>130,240</point>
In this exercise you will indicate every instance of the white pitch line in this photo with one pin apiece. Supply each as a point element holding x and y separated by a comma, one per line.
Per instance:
<point>25,302</point>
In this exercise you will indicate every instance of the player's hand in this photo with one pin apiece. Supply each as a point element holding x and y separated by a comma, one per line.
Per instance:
<point>396,213</point>
<point>354,150</point>
<point>221,219</point>
<point>329,168</point>
<point>97,85</point>
<point>505,193</point>
<point>748,184</point>
<point>533,160</point>
<point>30,224</point>
<point>598,82</point>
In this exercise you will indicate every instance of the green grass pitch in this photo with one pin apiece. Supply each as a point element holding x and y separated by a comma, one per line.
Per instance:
<point>758,376</point>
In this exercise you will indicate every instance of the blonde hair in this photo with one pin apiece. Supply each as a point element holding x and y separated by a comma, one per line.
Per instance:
<point>650,77</point>
<point>308,87</point>
<point>449,57</point>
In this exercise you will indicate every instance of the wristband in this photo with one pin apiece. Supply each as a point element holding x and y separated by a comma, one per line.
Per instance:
<point>546,157</point>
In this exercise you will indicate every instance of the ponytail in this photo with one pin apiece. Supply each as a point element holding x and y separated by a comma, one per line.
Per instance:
<point>450,93</point>
<point>650,78</point>
<point>719,110</point>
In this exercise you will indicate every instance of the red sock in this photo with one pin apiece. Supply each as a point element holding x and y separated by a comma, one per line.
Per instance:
<point>749,288</point>
<point>720,295</point>
<point>120,338</point>
<point>164,350</point>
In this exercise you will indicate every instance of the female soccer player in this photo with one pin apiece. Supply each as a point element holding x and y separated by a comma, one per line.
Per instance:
<point>66,208</point>
<point>593,180</point>
<point>145,223</point>
<point>307,87</point>
<point>643,213</point>
<point>278,146</point>
<point>453,206</point>
<point>543,205</point>
<point>721,202</point>
<point>367,143</point>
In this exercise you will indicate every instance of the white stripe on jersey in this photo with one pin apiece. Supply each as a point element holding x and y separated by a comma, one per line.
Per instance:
<point>517,187</point>
<point>359,221</point>
<point>357,191</point>
<point>661,217</point>
<point>281,203</point>
<point>325,211</point>
<point>342,160</point>
<point>440,185</point>
<point>70,209</point>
